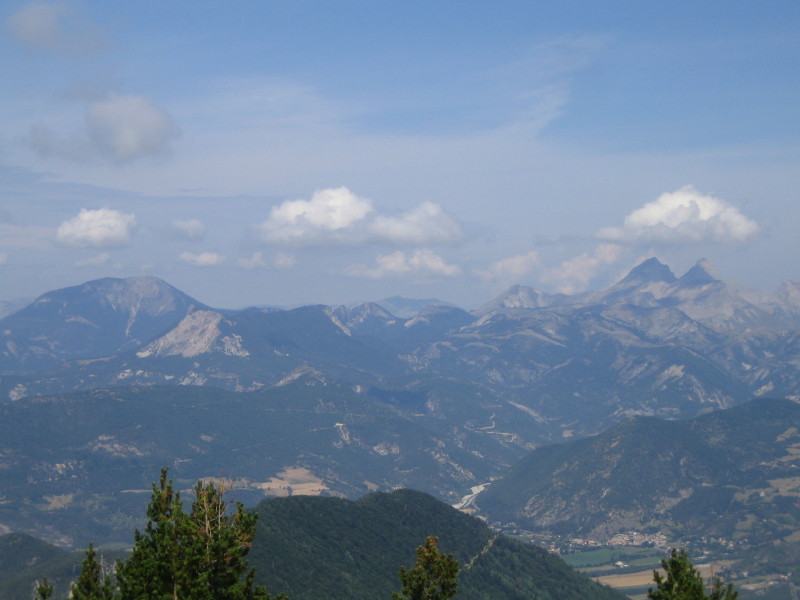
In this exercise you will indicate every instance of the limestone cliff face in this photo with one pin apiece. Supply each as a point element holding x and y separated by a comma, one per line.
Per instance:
<point>198,333</point>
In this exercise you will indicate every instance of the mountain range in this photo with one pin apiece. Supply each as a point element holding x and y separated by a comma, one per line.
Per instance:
<point>550,366</point>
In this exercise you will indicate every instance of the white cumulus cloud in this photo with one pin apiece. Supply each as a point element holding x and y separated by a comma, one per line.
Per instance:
<point>338,216</point>
<point>683,216</point>
<point>190,229</point>
<point>510,268</point>
<point>574,275</point>
<point>203,259</point>
<point>99,228</point>
<point>326,217</point>
<point>399,264</point>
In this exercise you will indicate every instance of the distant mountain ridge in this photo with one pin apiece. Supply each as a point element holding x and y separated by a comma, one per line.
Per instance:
<point>97,319</point>
<point>651,344</point>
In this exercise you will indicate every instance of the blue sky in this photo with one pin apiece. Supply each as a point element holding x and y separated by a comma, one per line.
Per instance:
<point>330,152</point>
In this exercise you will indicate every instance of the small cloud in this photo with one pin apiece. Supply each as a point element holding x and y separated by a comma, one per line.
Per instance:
<point>337,216</point>
<point>253,262</point>
<point>204,259</point>
<point>398,264</point>
<point>191,229</point>
<point>284,261</point>
<point>117,127</point>
<point>574,275</point>
<point>128,127</point>
<point>511,268</point>
<point>94,261</point>
<point>423,225</point>
<point>55,27</point>
<point>100,228</point>
<point>257,261</point>
<point>684,216</point>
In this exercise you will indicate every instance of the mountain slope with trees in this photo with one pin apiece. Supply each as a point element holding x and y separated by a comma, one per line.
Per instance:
<point>311,548</point>
<point>733,474</point>
<point>305,547</point>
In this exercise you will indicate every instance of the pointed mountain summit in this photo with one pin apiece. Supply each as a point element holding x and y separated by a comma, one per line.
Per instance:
<point>702,273</point>
<point>651,270</point>
<point>646,281</point>
<point>96,319</point>
<point>711,301</point>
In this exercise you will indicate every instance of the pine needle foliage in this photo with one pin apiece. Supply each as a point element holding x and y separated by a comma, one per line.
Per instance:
<point>432,578</point>
<point>43,590</point>
<point>682,581</point>
<point>92,582</point>
<point>199,555</point>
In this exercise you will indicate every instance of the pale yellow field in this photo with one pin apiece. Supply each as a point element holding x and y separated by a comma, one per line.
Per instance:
<point>641,578</point>
<point>301,481</point>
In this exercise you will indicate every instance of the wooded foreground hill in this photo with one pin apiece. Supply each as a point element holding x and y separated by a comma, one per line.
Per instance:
<point>314,548</point>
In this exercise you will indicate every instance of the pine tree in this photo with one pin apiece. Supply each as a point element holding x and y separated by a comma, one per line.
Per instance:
<point>220,541</point>
<point>199,555</point>
<point>683,582</point>
<point>433,577</point>
<point>92,583</point>
<point>156,568</point>
<point>43,590</point>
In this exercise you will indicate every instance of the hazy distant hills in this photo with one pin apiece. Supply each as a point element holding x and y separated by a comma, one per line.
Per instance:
<point>554,365</point>
<point>732,474</point>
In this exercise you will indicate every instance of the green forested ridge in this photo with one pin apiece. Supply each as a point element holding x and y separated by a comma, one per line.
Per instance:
<point>354,550</point>
<point>332,548</point>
